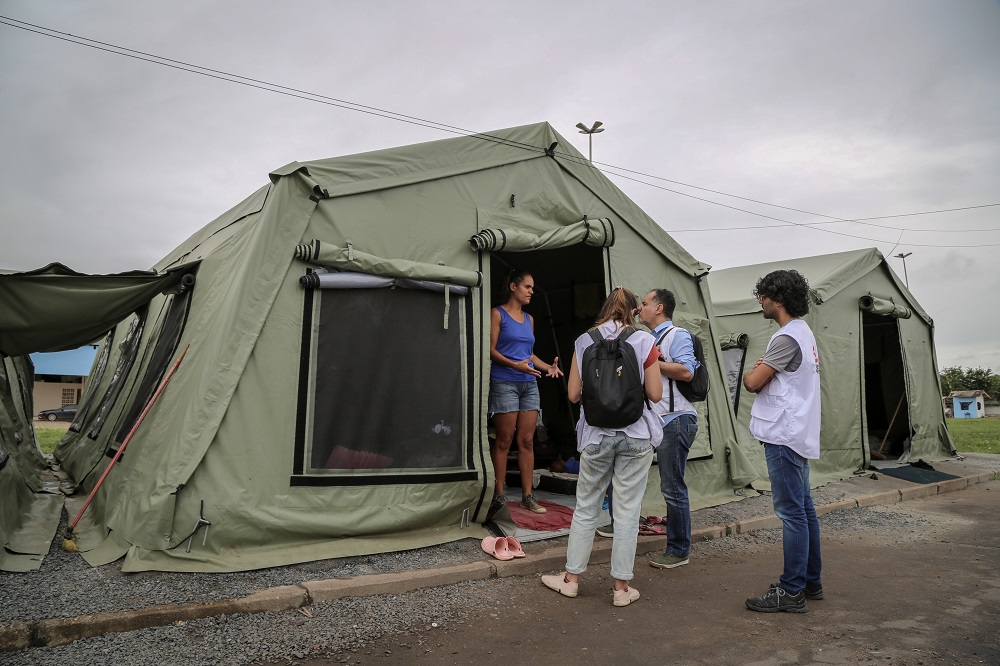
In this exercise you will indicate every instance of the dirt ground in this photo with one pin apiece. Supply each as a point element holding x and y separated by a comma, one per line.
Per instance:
<point>926,592</point>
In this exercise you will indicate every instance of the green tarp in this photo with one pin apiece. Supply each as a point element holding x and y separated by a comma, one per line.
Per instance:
<point>55,308</point>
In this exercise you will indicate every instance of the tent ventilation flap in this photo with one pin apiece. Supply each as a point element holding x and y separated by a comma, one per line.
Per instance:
<point>355,261</point>
<point>880,306</point>
<point>734,341</point>
<point>599,232</point>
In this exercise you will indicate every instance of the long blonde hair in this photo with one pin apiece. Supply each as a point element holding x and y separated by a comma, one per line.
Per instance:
<point>619,306</point>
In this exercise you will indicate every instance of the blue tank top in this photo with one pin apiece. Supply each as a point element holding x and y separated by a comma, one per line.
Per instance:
<point>516,341</point>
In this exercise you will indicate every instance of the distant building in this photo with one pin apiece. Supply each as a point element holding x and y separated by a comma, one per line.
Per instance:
<point>969,404</point>
<point>60,377</point>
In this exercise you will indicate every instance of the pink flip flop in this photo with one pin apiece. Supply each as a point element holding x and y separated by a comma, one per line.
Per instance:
<point>497,547</point>
<point>514,547</point>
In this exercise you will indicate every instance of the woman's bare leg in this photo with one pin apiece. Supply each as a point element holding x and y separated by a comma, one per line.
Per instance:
<point>526,422</point>
<point>504,425</point>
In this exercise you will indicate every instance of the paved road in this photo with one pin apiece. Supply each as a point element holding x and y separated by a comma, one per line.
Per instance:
<point>913,583</point>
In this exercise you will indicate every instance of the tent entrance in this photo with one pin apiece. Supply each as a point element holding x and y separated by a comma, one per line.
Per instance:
<point>569,290</point>
<point>885,398</point>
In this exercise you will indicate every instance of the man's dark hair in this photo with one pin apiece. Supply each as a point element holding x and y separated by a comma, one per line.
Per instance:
<point>665,297</point>
<point>790,288</point>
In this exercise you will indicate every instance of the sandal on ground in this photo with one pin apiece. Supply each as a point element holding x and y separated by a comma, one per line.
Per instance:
<point>497,547</point>
<point>514,547</point>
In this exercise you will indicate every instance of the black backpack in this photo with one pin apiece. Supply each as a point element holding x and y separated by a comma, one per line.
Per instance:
<point>695,390</point>
<point>613,393</point>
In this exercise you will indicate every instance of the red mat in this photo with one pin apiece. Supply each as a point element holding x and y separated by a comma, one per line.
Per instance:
<point>558,517</point>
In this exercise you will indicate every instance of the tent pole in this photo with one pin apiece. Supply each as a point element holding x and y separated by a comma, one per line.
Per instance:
<point>891,423</point>
<point>555,341</point>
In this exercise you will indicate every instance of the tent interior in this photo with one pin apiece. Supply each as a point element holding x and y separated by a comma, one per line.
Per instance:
<point>569,290</point>
<point>884,388</point>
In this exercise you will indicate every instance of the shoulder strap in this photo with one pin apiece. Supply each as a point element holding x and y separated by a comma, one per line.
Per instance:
<point>664,334</point>
<point>670,382</point>
<point>595,335</point>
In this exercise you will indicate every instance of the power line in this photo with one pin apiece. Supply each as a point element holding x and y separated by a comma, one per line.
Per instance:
<point>787,222</point>
<point>254,83</point>
<point>880,226</point>
<point>392,115</point>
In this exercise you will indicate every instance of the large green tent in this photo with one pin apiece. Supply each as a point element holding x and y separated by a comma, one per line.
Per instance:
<point>332,400</point>
<point>881,394</point>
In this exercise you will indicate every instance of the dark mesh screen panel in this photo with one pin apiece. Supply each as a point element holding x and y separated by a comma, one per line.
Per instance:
<point>129,350</point>
<point>92,383</point>
<point>733,360</point>
<point>163,352</point>
<point>388,381</point>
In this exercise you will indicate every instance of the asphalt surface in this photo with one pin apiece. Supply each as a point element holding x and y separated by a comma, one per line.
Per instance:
<point>922,587</point>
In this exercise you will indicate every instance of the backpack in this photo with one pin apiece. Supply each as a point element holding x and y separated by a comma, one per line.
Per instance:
<point>695,390</point>
<point>613,392</point>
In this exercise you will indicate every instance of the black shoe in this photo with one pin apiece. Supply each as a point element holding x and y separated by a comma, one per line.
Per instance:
<point>812,593</point>
<point>498,503</point>
<point>777,600</point>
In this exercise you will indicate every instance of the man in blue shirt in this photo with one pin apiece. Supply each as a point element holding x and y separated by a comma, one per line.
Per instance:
<point>680,422</point>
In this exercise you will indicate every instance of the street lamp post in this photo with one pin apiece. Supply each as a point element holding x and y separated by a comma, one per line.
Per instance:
<point>903,256</point>
<point>590,132</point>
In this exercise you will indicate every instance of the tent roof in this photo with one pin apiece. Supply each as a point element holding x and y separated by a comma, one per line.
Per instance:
<point>827,274</point>
<point>445,158</point>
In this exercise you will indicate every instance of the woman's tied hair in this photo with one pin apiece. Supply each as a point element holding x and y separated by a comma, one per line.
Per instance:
<point>620,306</point>
<point>790,288</point>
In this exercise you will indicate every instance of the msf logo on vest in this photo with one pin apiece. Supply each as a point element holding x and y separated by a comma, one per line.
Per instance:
<point>816,358</point>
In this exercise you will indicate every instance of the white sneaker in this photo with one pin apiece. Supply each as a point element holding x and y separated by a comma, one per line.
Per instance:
<point>626,596</point>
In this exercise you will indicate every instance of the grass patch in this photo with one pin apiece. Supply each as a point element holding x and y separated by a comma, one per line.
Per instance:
<point>49,437</point>
<point>975,435</point>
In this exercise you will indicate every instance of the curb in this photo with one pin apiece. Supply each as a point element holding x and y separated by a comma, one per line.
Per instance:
<point>53,632</point>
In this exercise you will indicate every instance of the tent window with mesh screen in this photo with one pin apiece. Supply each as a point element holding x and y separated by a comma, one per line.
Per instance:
<point>374,411</point>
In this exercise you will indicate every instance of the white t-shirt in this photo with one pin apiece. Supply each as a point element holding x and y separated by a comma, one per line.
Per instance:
<point>648,427</point>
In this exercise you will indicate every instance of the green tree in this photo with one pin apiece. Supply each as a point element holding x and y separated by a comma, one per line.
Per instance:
<point>952,379</point>
<point>970,379</point>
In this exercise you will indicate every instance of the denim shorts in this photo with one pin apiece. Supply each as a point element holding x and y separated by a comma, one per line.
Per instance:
<point>506,397</point>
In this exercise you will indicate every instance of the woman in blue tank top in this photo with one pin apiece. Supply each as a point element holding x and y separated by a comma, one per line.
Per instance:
<point>514,399</point>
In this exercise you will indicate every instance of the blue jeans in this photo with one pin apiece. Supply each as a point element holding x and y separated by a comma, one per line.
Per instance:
<point>671,456</point>
<point>793,503</point>
<point>626,461</point>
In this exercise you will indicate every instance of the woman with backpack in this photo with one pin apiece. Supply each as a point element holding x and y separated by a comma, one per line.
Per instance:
<point>616,435</point>
<point>513,400</point>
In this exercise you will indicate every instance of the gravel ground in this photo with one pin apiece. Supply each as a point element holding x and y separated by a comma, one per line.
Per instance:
<point>66,586</point>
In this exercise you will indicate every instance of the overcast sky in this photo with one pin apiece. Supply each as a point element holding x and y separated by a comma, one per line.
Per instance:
<point>847,109</point>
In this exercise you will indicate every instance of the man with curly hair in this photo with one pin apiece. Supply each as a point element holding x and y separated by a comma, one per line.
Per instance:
<point>786,419</point>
